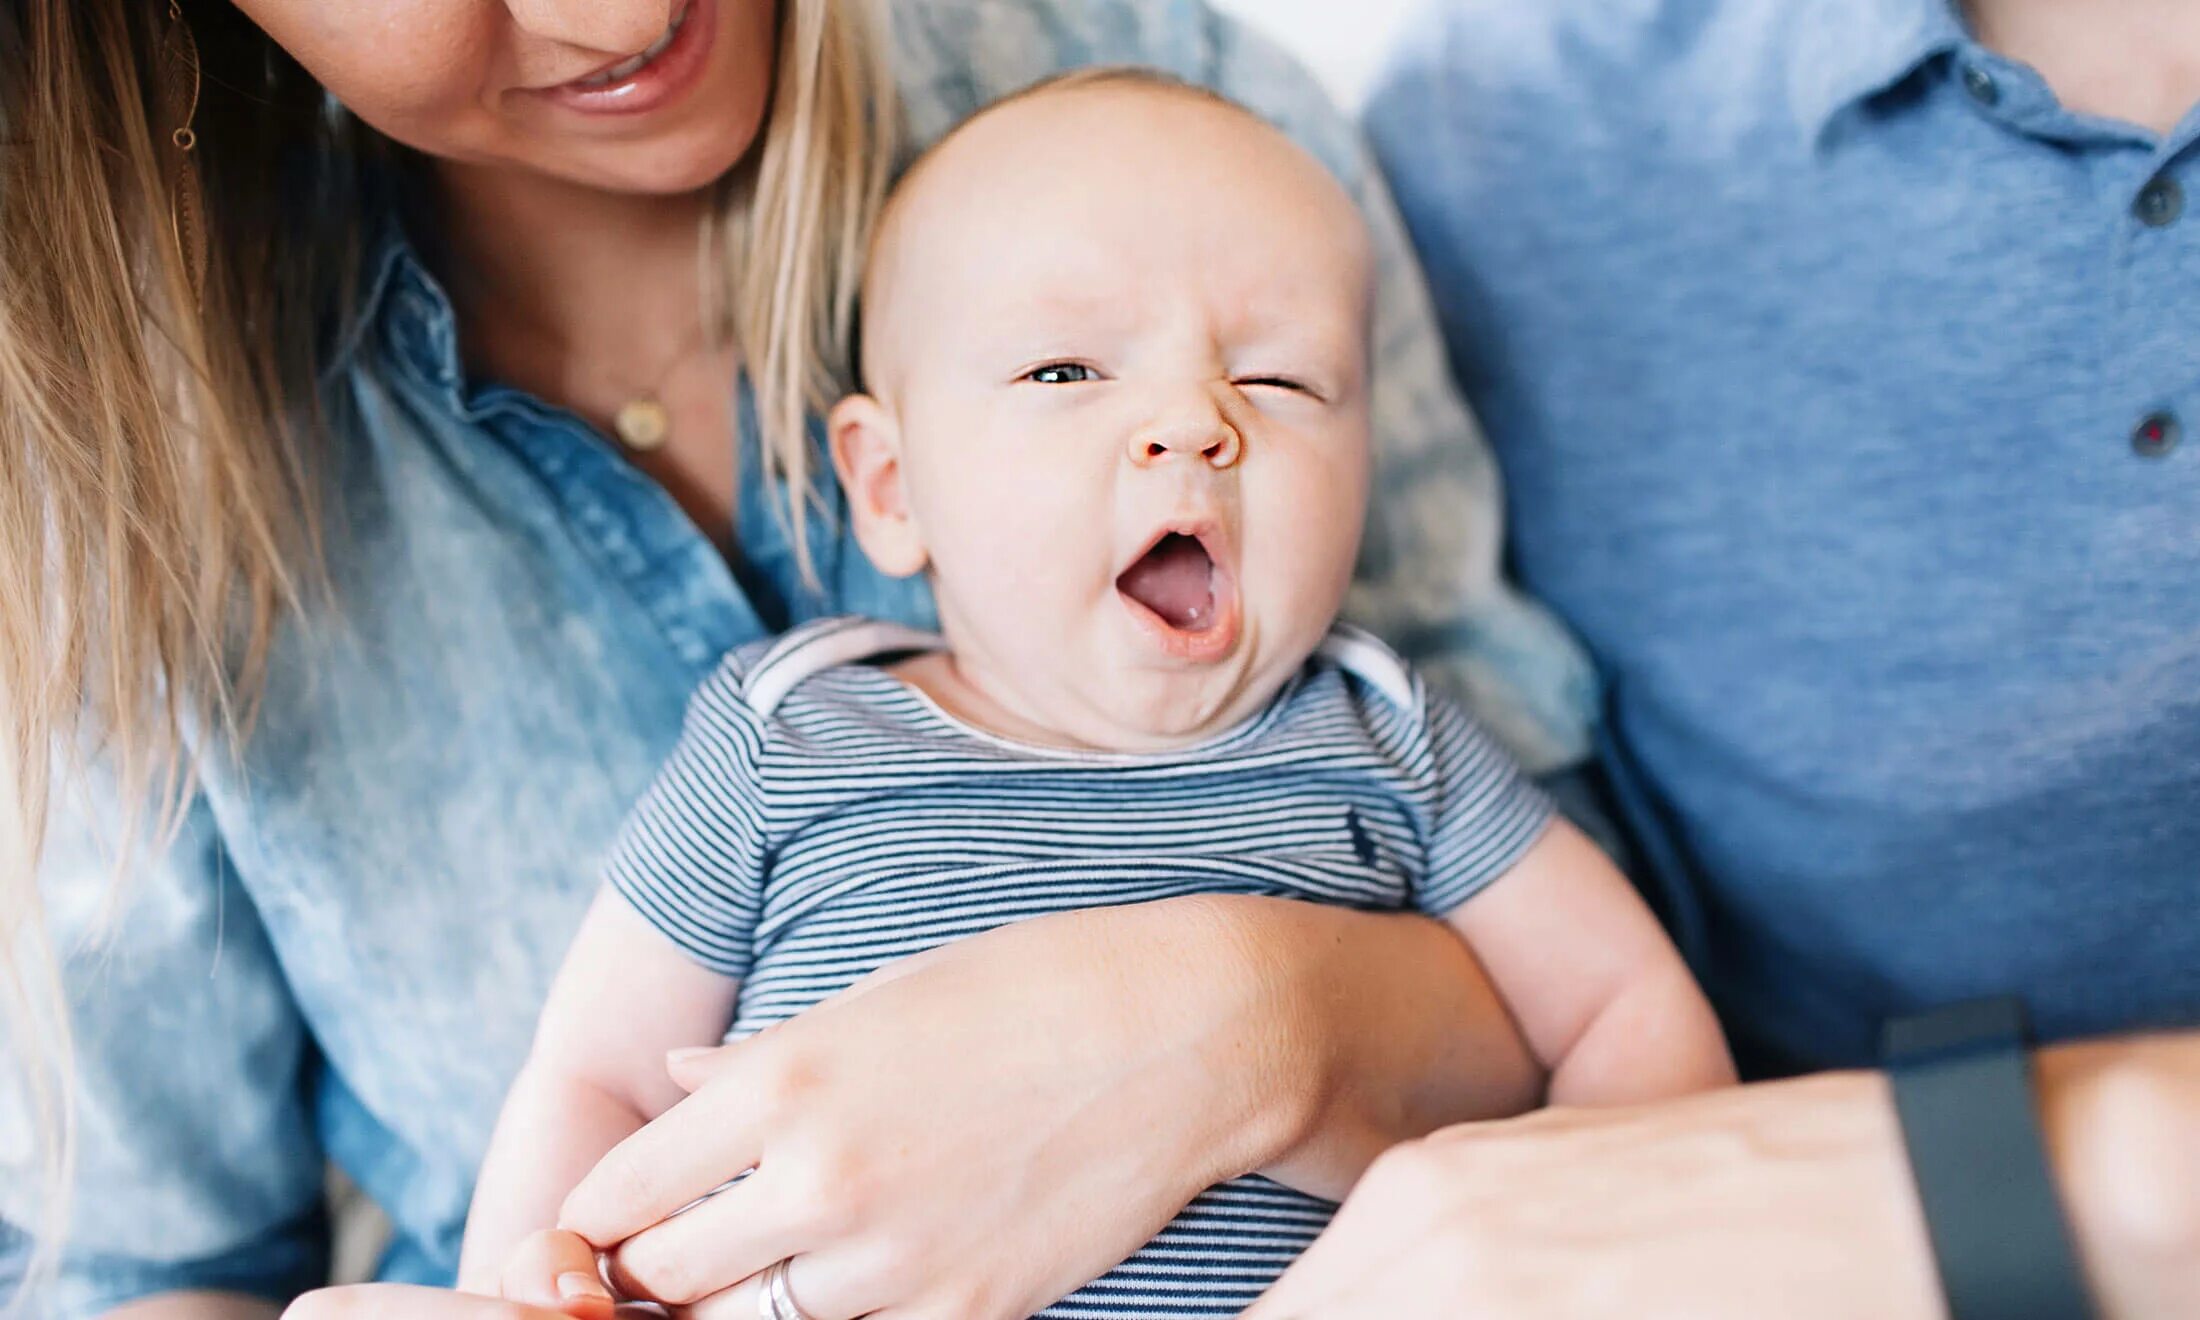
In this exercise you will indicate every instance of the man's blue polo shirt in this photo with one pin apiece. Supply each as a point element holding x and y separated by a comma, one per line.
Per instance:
<point>1847,389</point>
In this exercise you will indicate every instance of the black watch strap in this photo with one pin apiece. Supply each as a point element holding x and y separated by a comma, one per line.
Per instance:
<point>1963,1090</point>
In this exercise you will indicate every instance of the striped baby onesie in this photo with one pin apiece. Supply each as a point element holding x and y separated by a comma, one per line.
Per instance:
<point>819,819</point>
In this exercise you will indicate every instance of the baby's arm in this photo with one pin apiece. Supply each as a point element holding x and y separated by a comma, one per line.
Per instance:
<point>624,997</point>
<point>1599,992</point>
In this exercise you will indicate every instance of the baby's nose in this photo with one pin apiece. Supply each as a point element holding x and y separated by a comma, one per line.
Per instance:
<point>1205,433</point>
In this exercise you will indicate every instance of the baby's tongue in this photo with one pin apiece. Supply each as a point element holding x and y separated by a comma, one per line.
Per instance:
<point>1175,580</point>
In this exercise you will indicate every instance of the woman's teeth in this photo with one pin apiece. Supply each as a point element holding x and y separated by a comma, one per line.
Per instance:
<point>628,68</point>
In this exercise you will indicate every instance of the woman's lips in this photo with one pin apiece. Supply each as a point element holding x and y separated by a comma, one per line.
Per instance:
<point>676,65</point>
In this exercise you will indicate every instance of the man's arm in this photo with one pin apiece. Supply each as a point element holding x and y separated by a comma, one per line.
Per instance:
<point>1791,1198</point>
<point>2122,1120</point>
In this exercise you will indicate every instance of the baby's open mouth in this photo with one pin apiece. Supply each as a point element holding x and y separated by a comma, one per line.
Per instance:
<point>1176,580</point>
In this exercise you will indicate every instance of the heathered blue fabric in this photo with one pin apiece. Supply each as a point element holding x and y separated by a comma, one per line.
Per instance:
<point>1812,337</point>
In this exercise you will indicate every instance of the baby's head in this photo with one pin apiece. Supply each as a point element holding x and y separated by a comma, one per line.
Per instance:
<point>1115,349</point>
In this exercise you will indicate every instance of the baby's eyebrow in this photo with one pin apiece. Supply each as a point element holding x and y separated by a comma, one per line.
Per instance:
<point>1056,317</point>
<point>1073,305</point>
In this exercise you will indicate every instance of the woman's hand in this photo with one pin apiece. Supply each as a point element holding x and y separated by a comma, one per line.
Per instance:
<point>1790,1198</point>
<point>976,1132</point>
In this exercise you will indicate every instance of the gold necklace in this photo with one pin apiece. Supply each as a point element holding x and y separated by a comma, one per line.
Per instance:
<point>643,423</point>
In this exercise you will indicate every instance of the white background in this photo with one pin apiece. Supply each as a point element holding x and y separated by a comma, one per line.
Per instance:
<point>1343,41</point>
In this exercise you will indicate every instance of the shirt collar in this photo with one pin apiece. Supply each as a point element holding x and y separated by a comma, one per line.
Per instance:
<point>1847,51</point>
<point>404,309</point>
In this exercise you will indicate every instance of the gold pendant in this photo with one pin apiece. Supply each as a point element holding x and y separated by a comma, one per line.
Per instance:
<point>643,424</point>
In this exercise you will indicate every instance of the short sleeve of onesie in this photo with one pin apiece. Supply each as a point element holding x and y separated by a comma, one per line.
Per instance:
<point>692,855</point>
<point>1484,813</point>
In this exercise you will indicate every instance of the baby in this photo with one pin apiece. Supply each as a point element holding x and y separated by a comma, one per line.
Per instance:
<point>1116,348</point>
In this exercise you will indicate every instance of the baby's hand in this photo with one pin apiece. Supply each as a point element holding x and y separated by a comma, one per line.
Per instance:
<point>556,1270</point>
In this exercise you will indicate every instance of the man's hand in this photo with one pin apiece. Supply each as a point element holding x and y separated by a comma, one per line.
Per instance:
<point>1787,1198</point>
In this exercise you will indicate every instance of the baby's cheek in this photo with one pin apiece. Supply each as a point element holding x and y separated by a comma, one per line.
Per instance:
<point>1008,559</point>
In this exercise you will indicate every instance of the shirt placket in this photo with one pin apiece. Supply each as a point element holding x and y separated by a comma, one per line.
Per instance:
<point>628,524</point>
<point>2153,367</point>
<point>2148,396</point>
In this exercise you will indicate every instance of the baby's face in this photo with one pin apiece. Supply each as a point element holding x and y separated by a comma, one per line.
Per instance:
<point>1117,348</point>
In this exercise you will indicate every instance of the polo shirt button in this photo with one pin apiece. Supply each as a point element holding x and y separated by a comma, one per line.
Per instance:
<point>1981,85</point>
<point>2156,434</point>
<point>2160,203</point>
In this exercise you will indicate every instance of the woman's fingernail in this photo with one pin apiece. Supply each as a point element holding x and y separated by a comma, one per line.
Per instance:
<point>683,1055</point>
<point>576,1285</point>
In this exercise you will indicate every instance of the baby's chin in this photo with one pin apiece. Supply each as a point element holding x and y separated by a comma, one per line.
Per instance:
<point>1112,683</point>
<point>1164,708</point>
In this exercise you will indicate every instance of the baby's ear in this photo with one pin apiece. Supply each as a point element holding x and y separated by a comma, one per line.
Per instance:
<point>867,455</point>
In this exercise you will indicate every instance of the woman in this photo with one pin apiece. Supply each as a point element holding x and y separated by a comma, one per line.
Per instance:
<point>378,468</point>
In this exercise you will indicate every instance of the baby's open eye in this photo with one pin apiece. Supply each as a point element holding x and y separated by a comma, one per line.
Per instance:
<point>1061,373</point>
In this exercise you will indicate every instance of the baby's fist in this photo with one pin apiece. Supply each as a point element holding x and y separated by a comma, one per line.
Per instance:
<point>556,1270</point>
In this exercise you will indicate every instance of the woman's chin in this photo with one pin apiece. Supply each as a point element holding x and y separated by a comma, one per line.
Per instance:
<point>671,178</point>
<point>673,170</point>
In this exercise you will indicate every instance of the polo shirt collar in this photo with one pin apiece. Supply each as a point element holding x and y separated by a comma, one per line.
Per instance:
<point>1847,51</point>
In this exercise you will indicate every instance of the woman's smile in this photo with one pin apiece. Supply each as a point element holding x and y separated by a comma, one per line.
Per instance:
<point>657,76</point>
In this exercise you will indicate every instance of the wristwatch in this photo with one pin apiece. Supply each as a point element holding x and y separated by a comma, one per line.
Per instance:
<point>1963,1092</point>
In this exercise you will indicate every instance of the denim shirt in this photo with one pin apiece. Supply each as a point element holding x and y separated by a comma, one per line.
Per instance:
<point>342,956</point>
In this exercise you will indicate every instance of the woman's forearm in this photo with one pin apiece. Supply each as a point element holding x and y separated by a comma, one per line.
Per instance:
<point>197,1306</point>
<point>1385,1029</point>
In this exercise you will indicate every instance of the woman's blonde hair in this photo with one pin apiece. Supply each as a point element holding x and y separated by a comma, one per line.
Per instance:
<point>167,311</point>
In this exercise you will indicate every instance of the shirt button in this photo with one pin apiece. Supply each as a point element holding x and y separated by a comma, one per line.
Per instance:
<point>1981,85</point>
<point>2156,434</point>
<point>2160,203</point>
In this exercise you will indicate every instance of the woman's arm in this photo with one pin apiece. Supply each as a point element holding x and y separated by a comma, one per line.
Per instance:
<point>984,1128</point>
<point>199,1167</point>
<point>1786,1198</point>
<point>1388,1028</point>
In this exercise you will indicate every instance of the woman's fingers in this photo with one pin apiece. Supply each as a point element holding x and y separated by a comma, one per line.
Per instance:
<point>692,1069</point>
<point>684,1154</point>
<point>713,1246</point>
<point>820,1286</point>
<point>968,1136</point>
<point>556,1270</point>
<point>841,1283</point>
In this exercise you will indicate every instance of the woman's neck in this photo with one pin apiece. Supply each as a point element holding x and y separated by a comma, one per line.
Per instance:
<point>540,267</point>
<point>595,301</point>
<point>2132,60</point>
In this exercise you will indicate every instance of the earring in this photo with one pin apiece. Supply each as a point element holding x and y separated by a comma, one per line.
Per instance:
<point>180,93</point>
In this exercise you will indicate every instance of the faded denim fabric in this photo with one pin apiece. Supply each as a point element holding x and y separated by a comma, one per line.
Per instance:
<point>1817,342</point>
<point>344,954</point>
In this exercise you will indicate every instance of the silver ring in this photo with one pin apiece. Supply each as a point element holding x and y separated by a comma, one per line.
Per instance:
<point>775,1299</point>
